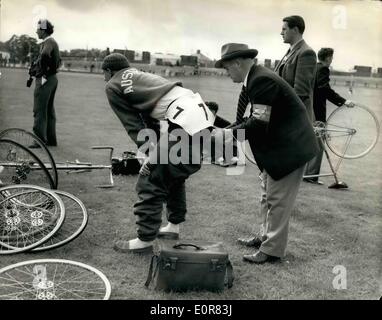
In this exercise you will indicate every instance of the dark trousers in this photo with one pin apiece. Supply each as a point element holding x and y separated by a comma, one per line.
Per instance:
<point>44,125</point>
<point>165,184</point>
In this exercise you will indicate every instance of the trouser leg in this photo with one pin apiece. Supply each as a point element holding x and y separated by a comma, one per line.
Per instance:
<point>263,205</point>
<point>51,121</point>
<point>43,109</point>
<point>40,104</point>
<point>148,208</point>
<point>280,196</point>
<point>176,203</point>
<point>154,190</point>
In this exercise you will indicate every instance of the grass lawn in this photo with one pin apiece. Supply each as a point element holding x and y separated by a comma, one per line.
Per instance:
<point>327,228</point>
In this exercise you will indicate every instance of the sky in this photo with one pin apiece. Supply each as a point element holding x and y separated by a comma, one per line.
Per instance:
<point>352,27</point>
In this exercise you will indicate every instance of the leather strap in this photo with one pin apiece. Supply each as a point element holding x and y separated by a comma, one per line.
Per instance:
<point>152,273</point>
<point>230,275</point>
<point>179,245</point>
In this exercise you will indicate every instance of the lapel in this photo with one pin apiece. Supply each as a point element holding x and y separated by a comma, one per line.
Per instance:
<point>294,51</point>
<point>279,63</point>
<point>251,76</point>
<point>290,55</point>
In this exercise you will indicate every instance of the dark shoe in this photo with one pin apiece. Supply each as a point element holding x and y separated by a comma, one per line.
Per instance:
<point>250,242</point>
<point>259,258</point>
<point>314,181</point>
<point>34,146</point>
<point>168,235</point>
<point>124,247</point>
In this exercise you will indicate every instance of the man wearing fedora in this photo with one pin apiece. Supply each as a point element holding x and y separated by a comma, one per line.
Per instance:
<point>298,66</point>
<point>282,141</point>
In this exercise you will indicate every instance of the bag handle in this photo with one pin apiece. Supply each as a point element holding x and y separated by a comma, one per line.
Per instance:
<point>179,245</point>
<point>151,274</point>
<point>230,275</point>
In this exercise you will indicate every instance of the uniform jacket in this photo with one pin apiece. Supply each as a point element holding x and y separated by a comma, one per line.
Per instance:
<point>299,71</point>
<point>323,92</point>
<point>132,95</point>
<point>48,60</point>
<point>278,130</point>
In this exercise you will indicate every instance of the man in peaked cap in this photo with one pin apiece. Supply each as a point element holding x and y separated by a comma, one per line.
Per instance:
<point>282,141</point>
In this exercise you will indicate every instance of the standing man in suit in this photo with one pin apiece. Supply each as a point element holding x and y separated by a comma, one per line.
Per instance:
<point>323,92</point>
<point>282,141</point>
<point>44,69</point>
<point>298,66</point>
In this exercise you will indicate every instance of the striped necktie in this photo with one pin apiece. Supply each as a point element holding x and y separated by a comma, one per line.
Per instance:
<point>242,105</point>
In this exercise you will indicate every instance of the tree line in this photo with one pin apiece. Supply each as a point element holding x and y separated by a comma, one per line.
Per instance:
<point>25,49</point>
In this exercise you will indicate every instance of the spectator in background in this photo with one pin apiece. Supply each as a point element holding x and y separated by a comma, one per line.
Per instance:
<point>298,66</point>
<point>44,69</point>
<point>323,92</point>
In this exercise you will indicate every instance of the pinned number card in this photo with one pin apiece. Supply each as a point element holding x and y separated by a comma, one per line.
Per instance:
<point>190,113</point>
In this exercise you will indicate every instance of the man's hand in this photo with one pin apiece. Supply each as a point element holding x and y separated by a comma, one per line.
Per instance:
<point>349,103</point>
<point>145,168</point>
<point>29,82</point>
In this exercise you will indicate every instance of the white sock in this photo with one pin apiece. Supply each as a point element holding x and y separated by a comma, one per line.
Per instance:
<point>170,228</point>
<point>137,243</point>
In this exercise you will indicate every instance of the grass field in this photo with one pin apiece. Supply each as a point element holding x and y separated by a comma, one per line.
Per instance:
<point>328,227</point>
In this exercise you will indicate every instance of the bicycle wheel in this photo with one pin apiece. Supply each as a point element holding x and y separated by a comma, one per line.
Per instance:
<point>29,216</point>
<point>20,165</point>
<point>76,219</point>
<point>53,279</point>
<point>352,132</point>
<point>27,139</point>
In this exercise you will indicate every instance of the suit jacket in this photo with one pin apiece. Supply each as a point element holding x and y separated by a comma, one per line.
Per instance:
<point>299,71</point>
<point>323,92</point>
<point>278,130</point>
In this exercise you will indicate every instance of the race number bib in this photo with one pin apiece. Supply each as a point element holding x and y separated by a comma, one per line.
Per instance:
<point>190,113</point>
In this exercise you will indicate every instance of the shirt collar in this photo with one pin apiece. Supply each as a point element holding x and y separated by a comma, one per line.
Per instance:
<point>48,37</point>
<point>246,79</point>
<point>294,45</point>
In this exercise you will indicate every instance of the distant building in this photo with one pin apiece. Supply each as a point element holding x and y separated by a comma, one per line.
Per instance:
<point>276,63</point>
<point>129,54</point>
<point>146,57</point>
<point>362,71</point>
<point>188,61</point>
<point>267,63</point>
<point>379,73</point>
<point>203,60</point>
<point>135,56</point>
<point>4,55</point>
<point>165,59</point>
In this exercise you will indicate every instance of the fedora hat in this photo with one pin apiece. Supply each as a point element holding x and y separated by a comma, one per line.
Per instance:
<point>235,50</point>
